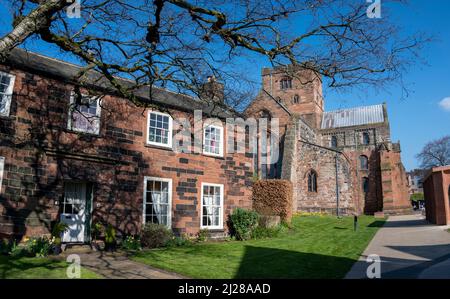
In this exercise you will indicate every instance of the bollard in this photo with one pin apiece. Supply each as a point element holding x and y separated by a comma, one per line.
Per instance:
<point>355,222</point>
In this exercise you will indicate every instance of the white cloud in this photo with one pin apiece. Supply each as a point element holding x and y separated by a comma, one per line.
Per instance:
<point>445,104</point>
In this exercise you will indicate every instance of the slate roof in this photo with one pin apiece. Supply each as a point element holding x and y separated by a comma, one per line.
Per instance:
<point>353,117</point>
<point>38,63</point>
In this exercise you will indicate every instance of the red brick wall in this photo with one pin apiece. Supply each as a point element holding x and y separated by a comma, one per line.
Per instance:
<point>437,193</point>
<point>115,162</point>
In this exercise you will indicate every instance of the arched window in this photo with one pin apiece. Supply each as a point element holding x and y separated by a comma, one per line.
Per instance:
<point>286,83</point>
<point>296,99</point>
<point>366,138</point>
<point>312,181</point>
<point>364,163</point>
<point>334,142</point>
<point>265,114</point>
<point>365,185</point>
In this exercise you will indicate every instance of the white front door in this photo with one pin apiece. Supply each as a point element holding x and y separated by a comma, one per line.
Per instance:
<point>74,212</point>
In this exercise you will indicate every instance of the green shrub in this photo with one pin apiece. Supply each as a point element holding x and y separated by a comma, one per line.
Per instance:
<point>202,235</point>
<point>243,222</point>
<point>17,250</point>
<point>39,246</point>
<point>110,238</point>
<point>178,241</point>
<point>131,243</point>
<point>10,247</point>
<point>5,246</point>
<point>267,232</point>
<point>57,231</point>
<point>155,235</point>
<point>417,197</point>
<point>97,230</point>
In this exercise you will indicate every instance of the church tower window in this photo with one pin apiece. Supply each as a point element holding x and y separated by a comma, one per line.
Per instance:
<point>286,83</point>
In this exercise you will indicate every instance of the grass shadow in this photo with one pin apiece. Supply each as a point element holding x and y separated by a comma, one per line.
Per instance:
<point>261,262</point>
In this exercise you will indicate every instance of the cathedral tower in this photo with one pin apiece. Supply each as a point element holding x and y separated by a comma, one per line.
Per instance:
<point>300,90</point>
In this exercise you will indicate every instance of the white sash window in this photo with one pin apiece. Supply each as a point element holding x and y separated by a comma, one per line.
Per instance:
<point>6,91</point>
<point>213,141</point>
<point>212,206</point>
<point>159,129</point>
<point>158,201</point>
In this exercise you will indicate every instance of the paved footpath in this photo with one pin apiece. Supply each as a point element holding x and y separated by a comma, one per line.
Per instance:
<point>118,266</point>
<point>408,247</point>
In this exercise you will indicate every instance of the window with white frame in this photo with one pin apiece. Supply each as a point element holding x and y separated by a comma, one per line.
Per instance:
<point>158,201</point>
<point>212,206</point>
<point>84,114</point>
<point>212,140</point>
<point>159,129</point>
<point>6,91</point>
<point>2,166</point>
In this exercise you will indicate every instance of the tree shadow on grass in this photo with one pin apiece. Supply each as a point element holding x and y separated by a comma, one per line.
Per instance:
<point>260,262</point>
<point>17,265</point>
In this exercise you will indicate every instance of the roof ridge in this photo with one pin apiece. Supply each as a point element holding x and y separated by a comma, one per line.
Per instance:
<point>27,52</point>
<point>353,108</point>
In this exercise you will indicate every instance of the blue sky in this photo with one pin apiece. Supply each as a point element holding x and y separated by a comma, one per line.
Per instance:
<point>415,118</point>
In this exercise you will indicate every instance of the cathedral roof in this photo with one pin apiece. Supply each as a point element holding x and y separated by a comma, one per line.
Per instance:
<point>353,117</point>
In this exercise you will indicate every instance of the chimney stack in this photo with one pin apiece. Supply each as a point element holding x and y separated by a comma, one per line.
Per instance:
<point>213,90</point>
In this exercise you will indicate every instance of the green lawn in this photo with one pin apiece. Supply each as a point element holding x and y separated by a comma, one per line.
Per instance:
<point>316,247</point>
<point>28,267</point>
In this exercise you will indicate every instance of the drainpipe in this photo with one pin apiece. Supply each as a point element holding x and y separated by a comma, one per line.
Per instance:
<point>337,185</point>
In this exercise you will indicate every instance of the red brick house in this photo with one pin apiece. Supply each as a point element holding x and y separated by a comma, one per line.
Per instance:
<point>105,159</point>
<point>102,158</point>
<point>436,186</point>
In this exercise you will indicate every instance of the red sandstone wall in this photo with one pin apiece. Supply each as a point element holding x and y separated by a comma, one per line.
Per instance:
<point>116,162</point>
<point>437,193</point>
<point>394,183</point>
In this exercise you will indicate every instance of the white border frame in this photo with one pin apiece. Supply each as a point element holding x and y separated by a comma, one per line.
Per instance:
<point>211,227</point>
<point>144,198</point>
<point>9,93</point>
<point>222,137</point>
<point>2,168</point>
<point>158,144</point>
<point>70,112</point>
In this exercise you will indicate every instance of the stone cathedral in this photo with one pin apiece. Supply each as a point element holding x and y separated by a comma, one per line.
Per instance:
<point>338,161</point>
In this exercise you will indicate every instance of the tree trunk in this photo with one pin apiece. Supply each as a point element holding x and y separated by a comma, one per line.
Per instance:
<point>32,23</point>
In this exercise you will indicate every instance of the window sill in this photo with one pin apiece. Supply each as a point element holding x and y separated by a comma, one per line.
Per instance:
<point>83,133</point>
<point>158,146</point>
<point>213,155</point>
<point>213,229</point>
